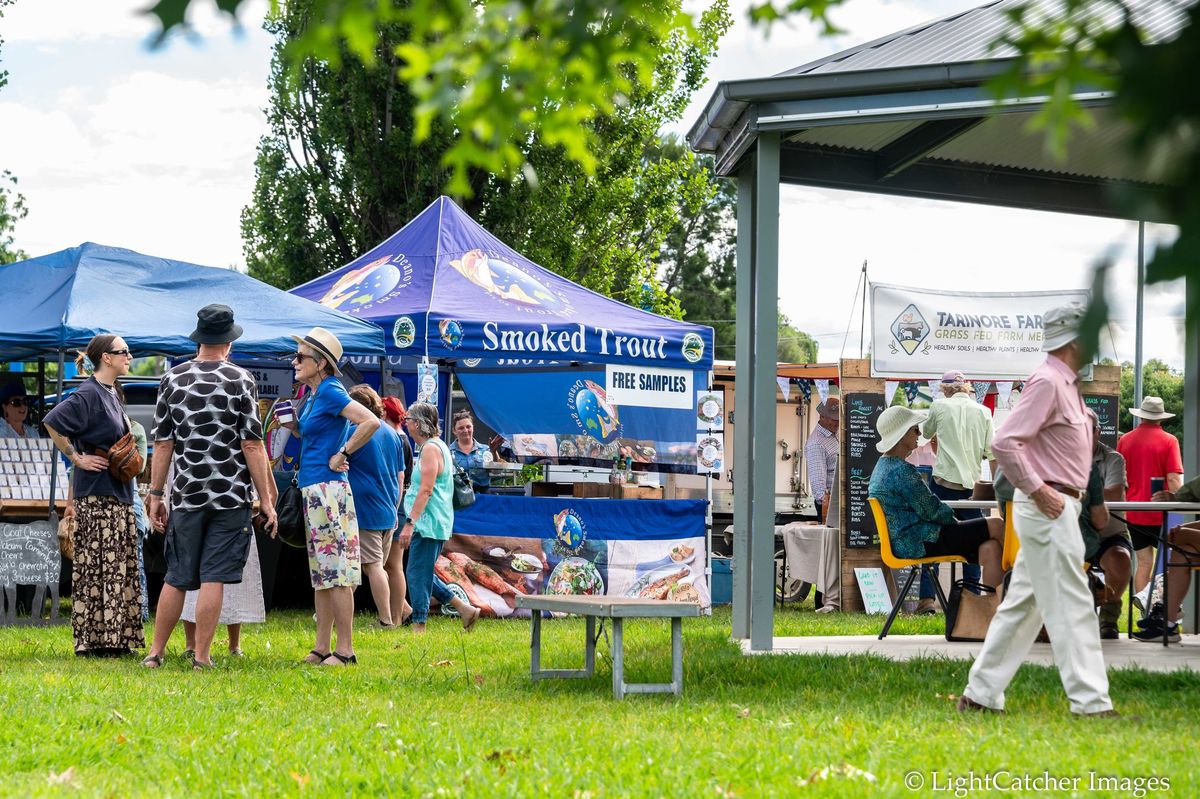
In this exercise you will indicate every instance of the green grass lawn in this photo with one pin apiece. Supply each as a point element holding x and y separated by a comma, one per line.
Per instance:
<point>456,715</point>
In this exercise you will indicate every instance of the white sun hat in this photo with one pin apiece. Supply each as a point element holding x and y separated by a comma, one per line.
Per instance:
<point>894,423</point>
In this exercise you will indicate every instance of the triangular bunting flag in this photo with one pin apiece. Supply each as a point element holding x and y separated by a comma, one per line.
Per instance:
<point>822,389</point>
<point>785,386</point>
<point>1003,393</point>
<point>981,390</point>
<point>889,391</point>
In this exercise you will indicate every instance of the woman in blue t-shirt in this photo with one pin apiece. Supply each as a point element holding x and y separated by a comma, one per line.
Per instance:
<point>376,477</point>
<point>106,592</point>
<point>325,450</point>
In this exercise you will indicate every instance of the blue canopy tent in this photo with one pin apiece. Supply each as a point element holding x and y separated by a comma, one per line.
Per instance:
<point>60,301</point>
<point>449,290</point>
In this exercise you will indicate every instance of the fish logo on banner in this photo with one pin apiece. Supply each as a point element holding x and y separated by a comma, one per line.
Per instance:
<point>404,332</point>
<point>909,330</point>
<point>451,333</point>
<point>569,532</point>
<point>592,411</point>
<point>511,283</point>
<point>362,288</point>
<point>693,348</point>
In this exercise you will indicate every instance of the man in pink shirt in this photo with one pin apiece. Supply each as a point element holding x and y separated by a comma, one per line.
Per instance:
<point>1045,448</point>
<point>1149,452</point>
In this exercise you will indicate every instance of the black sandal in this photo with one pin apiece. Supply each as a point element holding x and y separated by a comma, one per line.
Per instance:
<point>321,657</point>
<point>200,666</point>
<point>152,661</point>
<point>345,659</point>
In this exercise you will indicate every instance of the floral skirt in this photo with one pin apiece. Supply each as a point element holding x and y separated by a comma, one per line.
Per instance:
<point>106,593</point>
<point>333,556</point>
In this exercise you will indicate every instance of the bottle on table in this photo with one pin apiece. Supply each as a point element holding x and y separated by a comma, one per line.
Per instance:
<point>629,478</point>
<point>614,477</point>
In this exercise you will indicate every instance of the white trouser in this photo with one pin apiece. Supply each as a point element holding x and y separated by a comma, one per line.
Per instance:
<point>1048,584</point>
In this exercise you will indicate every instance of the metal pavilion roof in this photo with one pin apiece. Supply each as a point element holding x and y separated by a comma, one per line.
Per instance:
<point>911,113</point>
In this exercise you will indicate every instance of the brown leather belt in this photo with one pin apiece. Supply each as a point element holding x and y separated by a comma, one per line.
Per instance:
<point>1073,493</point>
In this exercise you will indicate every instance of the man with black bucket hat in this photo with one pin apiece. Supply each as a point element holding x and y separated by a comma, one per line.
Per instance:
<point>206,425</point>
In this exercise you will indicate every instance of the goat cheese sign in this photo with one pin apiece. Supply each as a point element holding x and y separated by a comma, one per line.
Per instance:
<point>924,333</point>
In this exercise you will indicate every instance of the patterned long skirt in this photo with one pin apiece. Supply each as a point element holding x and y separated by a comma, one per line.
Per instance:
<point>106,603</point>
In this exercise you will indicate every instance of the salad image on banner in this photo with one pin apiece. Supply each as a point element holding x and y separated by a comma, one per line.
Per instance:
<point>506,546</point>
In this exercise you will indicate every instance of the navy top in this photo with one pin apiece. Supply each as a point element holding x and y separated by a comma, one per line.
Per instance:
<point>323,431</point>
<point>375,479</point>
<point>914,515</point>
<point>473,462</point>
<point>92,418</point>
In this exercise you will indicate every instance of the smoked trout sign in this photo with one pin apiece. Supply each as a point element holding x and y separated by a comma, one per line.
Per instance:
<point>926,333</point>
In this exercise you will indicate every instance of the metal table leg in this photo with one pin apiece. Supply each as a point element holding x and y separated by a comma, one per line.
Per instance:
<point>536,672</point>
<point>677,656</point>
<point>618,657</point>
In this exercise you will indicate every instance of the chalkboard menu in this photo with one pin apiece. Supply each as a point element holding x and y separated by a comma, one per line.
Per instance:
<point>1106,408</point>
<point>860,411</point>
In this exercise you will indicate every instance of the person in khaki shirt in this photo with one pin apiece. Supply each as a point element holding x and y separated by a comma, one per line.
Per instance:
<point>961,431</point>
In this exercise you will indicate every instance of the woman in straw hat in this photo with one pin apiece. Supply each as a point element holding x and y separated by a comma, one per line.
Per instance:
<point>326,447</point>
<point>920,524</point>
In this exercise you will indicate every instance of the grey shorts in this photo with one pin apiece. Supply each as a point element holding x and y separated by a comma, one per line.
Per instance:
<point>206,546</point>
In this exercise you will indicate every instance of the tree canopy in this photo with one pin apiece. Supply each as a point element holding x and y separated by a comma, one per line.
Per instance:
<point>1158,380</point>
<point>343,168</point>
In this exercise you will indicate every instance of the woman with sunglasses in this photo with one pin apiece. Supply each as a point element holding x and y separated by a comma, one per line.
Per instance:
<point>15,404</point>
<point>106,602</point>
<point>326,447</point>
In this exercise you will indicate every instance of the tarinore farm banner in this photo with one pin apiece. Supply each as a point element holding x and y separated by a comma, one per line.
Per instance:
<point>925,332</point>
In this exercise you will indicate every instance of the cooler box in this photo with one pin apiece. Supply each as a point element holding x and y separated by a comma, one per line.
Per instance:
<point>722,581</point>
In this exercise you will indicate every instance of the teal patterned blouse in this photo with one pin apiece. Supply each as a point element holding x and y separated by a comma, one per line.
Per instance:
<point>914,514</point>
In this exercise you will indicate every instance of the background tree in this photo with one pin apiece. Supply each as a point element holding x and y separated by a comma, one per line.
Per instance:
<point>342,169</point>
<point>1158,380</point>
<point>795,346</point>
<point>12,204</point>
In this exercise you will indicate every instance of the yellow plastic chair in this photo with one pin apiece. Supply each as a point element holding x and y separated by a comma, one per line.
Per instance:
<point>1012,544</point>
<point>890,559</point>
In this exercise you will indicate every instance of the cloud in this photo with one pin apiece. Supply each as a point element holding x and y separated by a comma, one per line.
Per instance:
<point>74,21</point>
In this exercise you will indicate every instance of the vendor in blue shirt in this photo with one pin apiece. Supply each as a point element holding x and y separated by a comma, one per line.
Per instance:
<point>469,454</point>
<point>377,480</point>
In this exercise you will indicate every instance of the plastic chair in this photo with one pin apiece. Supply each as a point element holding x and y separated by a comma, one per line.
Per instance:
<point>890,559</point>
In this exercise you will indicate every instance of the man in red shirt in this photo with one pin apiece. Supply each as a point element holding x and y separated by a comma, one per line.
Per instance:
<point>1149,452</point>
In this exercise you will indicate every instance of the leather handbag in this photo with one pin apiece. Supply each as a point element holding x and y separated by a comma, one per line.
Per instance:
<point>291,525</point>
<point>969,610</point>
<point>125,462</point>
<point>464,494</point>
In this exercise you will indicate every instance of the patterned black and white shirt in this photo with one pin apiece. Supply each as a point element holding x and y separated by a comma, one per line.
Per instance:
<point>207,408</point>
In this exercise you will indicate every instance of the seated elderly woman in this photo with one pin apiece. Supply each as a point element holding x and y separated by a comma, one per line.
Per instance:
<point>920,524</point>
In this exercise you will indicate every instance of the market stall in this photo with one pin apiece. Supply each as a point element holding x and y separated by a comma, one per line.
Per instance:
<point>565,374</point>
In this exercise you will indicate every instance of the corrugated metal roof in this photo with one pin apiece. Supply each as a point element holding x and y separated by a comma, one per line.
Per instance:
<point>968,36</point>
<point>1003,141</point>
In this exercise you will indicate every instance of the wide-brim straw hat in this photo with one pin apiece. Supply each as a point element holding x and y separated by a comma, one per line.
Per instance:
<point>894,423</point>
<point>1152,409</point>
<point>326,344</point>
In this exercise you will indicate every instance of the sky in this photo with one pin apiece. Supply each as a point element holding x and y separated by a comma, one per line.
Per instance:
<point>154,150</point>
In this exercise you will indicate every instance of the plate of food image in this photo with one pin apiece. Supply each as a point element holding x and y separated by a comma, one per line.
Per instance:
<point>575,576</point>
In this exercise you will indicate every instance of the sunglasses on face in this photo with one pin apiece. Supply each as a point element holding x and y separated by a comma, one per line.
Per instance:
<point>300,356</point>
<point>124,351</point>
<point>18,402</point>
